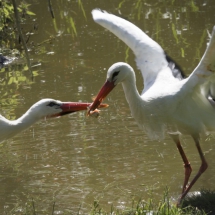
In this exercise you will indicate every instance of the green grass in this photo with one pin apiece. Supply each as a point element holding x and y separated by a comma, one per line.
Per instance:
<point>150,207</point>
<point>201,204</point>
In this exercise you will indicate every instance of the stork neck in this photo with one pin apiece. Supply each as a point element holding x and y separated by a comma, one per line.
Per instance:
<point>10,128</point>
<point>131,93</point>
<point>25,121</point>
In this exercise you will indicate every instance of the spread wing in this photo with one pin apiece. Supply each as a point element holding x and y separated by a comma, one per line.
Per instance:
<point>150,57</point>
<point>204,74</point>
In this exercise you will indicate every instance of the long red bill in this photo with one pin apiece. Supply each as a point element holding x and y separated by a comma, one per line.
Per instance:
<point>104,91</point>
<point>71,107</point>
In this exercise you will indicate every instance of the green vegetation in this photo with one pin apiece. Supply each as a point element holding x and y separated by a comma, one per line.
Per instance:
<point>200,204</point>
<point>69,19</point>
<point>7,30</point>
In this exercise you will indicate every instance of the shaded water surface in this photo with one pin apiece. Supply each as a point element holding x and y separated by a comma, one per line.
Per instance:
<point>74,160</point>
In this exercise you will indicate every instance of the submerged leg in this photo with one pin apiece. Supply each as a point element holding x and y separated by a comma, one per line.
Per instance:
<point>202,168</point>
<point>187,165</point>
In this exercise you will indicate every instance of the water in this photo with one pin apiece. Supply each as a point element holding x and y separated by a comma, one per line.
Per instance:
<point>75,160</point>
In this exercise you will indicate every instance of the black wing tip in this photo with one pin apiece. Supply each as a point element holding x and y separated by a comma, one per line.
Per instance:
<point>176,69</point>
<point>3,59</point>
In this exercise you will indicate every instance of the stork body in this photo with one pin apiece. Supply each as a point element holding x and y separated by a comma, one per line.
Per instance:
<point>169,103</point>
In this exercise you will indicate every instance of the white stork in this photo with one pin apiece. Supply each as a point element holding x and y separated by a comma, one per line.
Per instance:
<point>169,102</point>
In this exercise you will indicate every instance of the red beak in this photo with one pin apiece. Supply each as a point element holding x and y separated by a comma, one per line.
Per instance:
<point>104,91</point>
<point>71,107</point>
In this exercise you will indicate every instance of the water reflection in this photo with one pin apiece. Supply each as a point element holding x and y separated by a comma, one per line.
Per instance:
<point>74,160</point>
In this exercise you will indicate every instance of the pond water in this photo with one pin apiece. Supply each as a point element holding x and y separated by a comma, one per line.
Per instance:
<point>74,160</point>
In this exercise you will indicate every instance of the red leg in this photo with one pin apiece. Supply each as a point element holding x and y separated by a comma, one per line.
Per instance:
<point>187,165</point>
<point>202,168</point>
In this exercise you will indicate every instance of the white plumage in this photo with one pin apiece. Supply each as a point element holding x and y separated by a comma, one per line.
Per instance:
<point>169,102</point>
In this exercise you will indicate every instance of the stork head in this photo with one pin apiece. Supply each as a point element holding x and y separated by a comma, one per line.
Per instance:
<point>117,73</point>
<point>48,108</point>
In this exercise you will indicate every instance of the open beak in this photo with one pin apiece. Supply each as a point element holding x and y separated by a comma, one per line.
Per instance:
<point>71,107</point>
<point>104,91</point>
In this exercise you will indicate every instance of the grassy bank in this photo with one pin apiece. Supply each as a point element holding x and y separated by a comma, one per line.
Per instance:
<point>201,203</point>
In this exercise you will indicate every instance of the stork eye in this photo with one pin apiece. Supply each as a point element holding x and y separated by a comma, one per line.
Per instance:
<point>115,74</point>
<point>51,104</point>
